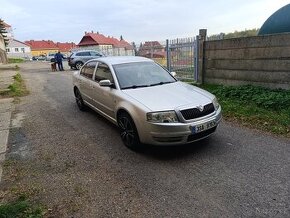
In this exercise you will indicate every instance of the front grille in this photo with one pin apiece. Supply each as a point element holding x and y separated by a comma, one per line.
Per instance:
<point>200,135</point>
<point>194,113</point>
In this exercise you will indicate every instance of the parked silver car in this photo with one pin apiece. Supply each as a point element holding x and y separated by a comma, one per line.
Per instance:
<point>147,103</point>
<point>50,57</point>
<point>78,58</point>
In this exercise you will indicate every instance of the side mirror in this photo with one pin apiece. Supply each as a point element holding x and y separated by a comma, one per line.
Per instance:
<point>106,83</point>
<point>173,74</point>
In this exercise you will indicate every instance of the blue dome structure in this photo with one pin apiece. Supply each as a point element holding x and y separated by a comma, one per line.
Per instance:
<point>279,22</point>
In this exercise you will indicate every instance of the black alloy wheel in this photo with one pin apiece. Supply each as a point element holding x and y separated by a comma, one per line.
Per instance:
<point>79,100</point>
<point>78,65</point>
<point>128,131</point>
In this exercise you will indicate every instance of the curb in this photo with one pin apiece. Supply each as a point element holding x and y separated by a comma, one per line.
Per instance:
<point>6,107</point>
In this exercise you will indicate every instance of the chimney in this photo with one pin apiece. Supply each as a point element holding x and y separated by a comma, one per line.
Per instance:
<point>85,32</point>
<point>92,31</point>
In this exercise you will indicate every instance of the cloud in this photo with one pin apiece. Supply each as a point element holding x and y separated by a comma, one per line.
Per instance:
<point>136,20</point>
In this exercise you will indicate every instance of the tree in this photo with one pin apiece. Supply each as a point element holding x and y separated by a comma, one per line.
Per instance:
<point>135,48</point>
<point>3,32</point>
<point>236,34</point>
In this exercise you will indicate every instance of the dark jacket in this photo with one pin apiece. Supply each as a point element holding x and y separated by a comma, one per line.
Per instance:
<point>58,57</point>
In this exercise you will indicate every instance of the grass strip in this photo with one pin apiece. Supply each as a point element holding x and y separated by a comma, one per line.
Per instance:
<point>16,89</point>
<point>20,208</point>
<point>15,60</point>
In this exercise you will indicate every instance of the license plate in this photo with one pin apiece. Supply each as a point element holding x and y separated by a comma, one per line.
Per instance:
<point>203,127</point>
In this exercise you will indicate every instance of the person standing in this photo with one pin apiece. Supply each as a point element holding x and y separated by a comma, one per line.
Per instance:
<point>58,58</point>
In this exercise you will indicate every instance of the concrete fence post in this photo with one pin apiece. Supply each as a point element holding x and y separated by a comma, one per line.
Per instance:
<point>201,42</point>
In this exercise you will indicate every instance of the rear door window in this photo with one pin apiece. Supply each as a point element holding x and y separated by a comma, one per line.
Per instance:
<point>88,69</point>
<point>83,53</point>
<point>93,53</point>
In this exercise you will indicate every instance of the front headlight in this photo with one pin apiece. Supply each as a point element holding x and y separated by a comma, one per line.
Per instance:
<point>162,117</point>
<point>215,103</point>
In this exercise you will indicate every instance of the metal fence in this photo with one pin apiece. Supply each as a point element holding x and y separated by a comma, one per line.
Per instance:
<point>178,55</point>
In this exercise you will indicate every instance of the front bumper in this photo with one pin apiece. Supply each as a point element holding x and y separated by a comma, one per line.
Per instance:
<point>178,133</point>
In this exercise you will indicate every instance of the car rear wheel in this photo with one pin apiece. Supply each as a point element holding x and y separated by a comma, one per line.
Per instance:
<point>80,101</point>
<point>128,131</point>
<point>79,65</point>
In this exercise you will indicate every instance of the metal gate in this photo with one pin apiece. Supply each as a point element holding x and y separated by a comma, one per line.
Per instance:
<point>182,58</point>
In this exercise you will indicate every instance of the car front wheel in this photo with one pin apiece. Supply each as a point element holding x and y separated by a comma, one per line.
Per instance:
<point>128,131</point>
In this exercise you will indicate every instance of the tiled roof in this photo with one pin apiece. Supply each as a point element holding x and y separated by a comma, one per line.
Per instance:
<point>43,44</point>
<point>115,42</point>
<point>97,39</point>
<point>11,41</point>
<point>6,25</point>
<point>100,39</point>
<point>151,44</point>
<point>66,46</point>
<point>126,44</point>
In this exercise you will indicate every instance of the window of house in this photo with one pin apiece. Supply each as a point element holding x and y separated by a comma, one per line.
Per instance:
<point>22,50</point>
<point>16,50</point>
<point>8,49</point>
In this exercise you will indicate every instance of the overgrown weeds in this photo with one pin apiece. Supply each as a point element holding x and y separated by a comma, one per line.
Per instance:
<point>21,207</point>
<point>253,106</point>
<point>16,89</point>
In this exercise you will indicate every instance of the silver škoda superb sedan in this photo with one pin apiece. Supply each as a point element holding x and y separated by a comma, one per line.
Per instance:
<point>146,102</point>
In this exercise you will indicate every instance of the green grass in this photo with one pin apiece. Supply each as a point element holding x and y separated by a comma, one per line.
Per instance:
<point>255,107</point>
<point>16,89</point>
<point>21,208</point>
<point>15,60</point>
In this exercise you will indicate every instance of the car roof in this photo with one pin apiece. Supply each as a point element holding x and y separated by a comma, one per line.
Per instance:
<point>122,59</point>
<point>84,51</point>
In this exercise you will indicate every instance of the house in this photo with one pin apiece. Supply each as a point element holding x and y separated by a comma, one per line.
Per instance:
<point>42,47</point>
<point>9,30</point>
<point>3,56</point>
<point>18,49</point>
<point>129,49</point>
<point>3,38</point>
<point>65,47</point>
<point>152,49</point>
<point>107,45</point>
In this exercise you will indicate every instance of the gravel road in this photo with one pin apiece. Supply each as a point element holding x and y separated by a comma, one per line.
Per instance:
<point>75,164</point>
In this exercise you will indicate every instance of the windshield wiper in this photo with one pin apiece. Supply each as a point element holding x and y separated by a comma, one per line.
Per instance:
<point>135,86</point>
<point>161,83</point>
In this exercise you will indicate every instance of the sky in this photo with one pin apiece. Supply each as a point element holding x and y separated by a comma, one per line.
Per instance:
<point>135,20</point>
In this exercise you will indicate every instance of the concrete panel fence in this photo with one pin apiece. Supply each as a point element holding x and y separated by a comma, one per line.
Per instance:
<point>259,60</point>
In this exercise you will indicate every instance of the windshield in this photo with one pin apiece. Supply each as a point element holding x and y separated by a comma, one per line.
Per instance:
<point>141,74</point>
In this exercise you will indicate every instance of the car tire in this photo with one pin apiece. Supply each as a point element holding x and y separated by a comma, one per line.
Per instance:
<point>79,100</point>
<point>128,131</point>
<point>78,65</point>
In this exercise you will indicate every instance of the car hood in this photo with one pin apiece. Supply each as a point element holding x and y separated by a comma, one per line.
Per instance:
<point>170,96</point>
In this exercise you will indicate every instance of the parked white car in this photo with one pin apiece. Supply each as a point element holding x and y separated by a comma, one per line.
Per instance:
<point>147,103</point>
